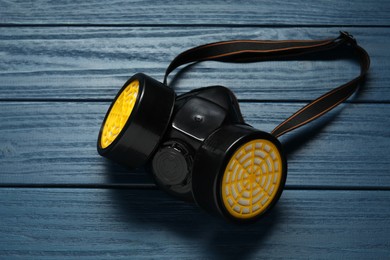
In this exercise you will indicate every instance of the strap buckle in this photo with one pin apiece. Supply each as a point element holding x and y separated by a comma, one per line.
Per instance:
<point>348,37</point>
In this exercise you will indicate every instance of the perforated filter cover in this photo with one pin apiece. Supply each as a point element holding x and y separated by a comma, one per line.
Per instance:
<point>251,178</point>
<point>119,113</point>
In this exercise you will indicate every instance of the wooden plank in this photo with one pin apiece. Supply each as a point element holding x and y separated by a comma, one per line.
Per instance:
<point>93,63</point>
<point>55,143</point>
<point>101,224</point>
<point>190,12</point>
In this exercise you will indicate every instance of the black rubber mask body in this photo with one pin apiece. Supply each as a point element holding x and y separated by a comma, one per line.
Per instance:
<point>198,146</point>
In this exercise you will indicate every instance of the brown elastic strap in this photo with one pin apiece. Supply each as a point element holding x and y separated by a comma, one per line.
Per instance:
<point>255,50</point>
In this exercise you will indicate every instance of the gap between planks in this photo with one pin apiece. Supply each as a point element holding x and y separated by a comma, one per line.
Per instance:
<point>75,100</point>
<point>154,187</point>
<point>194,25</point>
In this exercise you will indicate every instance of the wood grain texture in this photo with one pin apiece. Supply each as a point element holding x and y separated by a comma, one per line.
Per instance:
<point>62,62</point>
<point>219,12</point>
<point>55,143</point>
<point>101,224</point>
<point>93,63</point>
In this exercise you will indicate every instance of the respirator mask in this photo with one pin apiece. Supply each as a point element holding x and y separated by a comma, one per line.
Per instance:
<point>198,146</point>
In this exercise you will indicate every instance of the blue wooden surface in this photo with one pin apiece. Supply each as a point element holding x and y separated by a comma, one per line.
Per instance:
<point>61,64</point>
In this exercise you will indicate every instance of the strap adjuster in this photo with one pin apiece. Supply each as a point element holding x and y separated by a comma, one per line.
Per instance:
<point>348,37</point>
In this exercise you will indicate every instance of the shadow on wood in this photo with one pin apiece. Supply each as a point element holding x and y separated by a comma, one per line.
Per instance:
<point>219,238</point>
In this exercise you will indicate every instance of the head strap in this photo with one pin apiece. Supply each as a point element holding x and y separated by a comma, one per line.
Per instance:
<point>257,50</point>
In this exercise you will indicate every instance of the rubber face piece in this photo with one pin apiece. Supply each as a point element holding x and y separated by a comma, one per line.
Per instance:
<point>119,114</point>
<point>251,178</point>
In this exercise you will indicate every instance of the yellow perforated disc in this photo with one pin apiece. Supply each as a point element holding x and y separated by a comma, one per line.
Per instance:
<point>251,178</point>
<point>119,113</point>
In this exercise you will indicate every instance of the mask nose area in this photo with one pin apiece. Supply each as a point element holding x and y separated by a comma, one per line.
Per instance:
<point>198,118</point>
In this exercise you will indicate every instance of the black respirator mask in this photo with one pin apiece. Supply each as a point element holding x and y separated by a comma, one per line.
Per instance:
<point>198,146</point>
